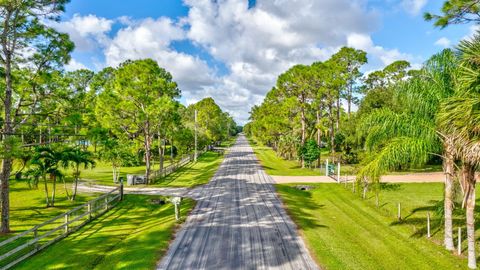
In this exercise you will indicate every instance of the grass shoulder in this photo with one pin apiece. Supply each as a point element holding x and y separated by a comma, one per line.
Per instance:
<point>27,205</point>
<point>133,235</point>
<point>345,232</point>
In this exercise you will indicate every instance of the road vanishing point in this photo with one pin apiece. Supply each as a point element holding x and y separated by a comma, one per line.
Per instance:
<point>238,222</point>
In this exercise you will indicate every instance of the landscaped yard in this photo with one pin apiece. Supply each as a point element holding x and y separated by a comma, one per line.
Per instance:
<point>275,165</point>
<point>133,235</point>
<point>345,232</point>
<point>193,174</point>
<point>190,175</point>
<point>28,205</point>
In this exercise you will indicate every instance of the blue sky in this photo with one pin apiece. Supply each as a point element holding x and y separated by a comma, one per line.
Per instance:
<point>233,50</point>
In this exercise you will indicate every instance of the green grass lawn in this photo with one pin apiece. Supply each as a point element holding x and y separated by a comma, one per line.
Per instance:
<point>193,174</point>
<point>101,174</point>
<point>133,235</point>
<point>28,205</point>
<point>345,232</point>
<point>275,165</point>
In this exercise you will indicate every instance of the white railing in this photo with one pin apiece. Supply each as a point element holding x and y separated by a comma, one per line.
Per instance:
<point>22,246</point>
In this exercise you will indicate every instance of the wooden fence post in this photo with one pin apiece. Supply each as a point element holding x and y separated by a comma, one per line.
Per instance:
<point>89,209</point>
<point>106,202</point>
<point>121,189</point>
<point>399,214</point>
<point>35,235</point>
<point>338,173</point>
<point>428,224</point>
<point>326,167</point>
<point>459,245</point>
<point>66,224</point>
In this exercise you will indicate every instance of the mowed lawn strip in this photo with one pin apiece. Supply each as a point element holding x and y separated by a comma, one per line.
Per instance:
<point>345,232</point>
<point>27,205</point>
<point>133,235</point>
<point>275,165</point>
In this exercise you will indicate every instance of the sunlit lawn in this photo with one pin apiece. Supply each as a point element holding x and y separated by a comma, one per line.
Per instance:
<point>28,205</point>
<point>345,232</point>
<point>133,235</point>
<point>193,174</point>
<point>275,165</point>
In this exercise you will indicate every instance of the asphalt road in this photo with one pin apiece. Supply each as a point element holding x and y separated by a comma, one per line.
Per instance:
<point>238,222</point>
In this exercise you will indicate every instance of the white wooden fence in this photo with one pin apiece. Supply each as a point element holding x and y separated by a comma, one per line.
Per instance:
<point>176,165</point>
<point>21,246</point>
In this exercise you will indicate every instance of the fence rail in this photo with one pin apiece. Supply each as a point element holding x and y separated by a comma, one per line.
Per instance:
<point>176,165</point>
<point>21,246</point>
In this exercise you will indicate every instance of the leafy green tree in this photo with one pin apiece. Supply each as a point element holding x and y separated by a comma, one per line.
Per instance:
<point>131,100</point>
<point>310,152</point>
<point>22,27</point>
<point>210,120</point>
<point>295,83</point>
<point>456,12</point>
<point>115,152</point>
<point>351,60</point>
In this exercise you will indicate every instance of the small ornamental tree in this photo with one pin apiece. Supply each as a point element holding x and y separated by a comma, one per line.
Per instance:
<point>310,152</point>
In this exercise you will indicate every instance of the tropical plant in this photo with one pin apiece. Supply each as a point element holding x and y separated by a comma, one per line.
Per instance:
<point>460,117</point>
<point>408,134</point>
<point>77,157</point>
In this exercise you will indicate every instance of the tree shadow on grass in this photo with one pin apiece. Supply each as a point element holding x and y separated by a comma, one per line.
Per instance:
<point>299,205</point>
<point>390,187</point>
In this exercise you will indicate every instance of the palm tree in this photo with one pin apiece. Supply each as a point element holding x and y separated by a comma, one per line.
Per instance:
<point>78,157</point>
<point>460,116</point>
<point>55,174</point>
<point>409,134</point>
<point>46,161</point>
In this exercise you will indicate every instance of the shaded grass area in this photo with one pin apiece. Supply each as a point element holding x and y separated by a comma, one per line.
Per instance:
<point>133,235</point>
<point>193,174</point>
<point>345,232</point>
<point>27,206</point>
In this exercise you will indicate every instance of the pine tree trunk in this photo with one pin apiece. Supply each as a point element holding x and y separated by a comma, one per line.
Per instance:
<point>7,129</point>
<point>338,113</point>
<point>147,144</point>
<point>319,136</point>
<point>332,132</point>
<point>304,127</point>
<point>4,195</point>
<point>171,151</point>
<point>160,151</point>
<point>448,167</point>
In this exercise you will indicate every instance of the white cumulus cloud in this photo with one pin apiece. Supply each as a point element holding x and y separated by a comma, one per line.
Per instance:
<point>254,45</point>
<point>414,7</point>
<point>87,32</point>
<point>443,42</point>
